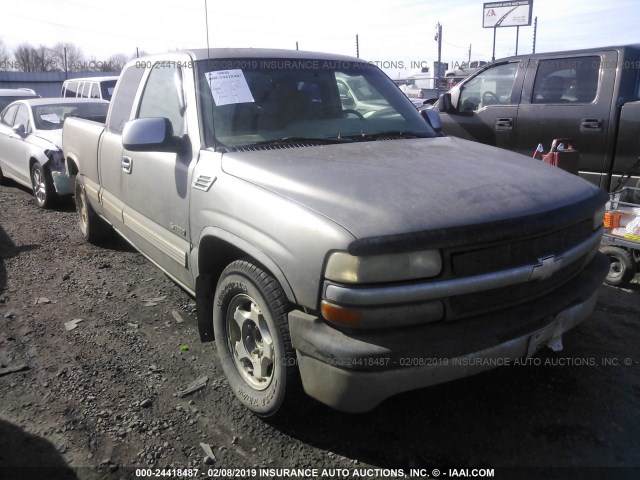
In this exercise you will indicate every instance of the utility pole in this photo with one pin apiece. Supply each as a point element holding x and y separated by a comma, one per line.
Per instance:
<point>296,45</point>
<point>66,69</point>
<point>535,29</point>
<point>438,73</point>
<point>469,53</point>
<point>357,47</point>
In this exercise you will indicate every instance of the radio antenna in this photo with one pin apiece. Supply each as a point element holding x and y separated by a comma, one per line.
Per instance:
<point>206,22</point>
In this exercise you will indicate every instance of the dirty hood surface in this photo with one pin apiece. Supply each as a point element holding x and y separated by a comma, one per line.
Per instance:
<point>400,186</point>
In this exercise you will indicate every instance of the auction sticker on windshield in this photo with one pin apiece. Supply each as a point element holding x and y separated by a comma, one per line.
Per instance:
<point>229,86</point>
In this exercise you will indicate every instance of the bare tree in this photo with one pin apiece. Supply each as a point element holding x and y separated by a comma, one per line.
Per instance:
<point>32,59</point>
<point>115,63</point>
<point>4,53</point>
<point>67,57</point>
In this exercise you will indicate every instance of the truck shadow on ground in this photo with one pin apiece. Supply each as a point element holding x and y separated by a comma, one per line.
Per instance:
<point>23,455</point>
<point>9,250</point>
<point>510,416</point>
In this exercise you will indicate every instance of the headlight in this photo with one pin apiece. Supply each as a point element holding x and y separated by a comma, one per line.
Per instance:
<point>345,268</point>
<point>598,218</point>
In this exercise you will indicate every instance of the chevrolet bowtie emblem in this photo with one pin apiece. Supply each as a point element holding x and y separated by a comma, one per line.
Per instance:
<point>546,268</point>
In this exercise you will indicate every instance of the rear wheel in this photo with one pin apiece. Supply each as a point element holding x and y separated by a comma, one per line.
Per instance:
<point>42,186</point>
<point>622,266</point>
<point>93,228</point>
<point>252,337</point>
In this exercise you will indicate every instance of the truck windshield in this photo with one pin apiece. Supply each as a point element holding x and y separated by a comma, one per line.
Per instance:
<point>249,102</point>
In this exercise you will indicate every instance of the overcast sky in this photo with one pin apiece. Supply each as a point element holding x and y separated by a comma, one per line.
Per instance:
<point>389,31</point>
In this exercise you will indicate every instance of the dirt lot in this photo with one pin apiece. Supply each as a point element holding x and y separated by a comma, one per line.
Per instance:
<point>100,400</point>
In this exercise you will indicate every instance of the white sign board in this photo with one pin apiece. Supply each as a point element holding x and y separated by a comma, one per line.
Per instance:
<point>229,86</point>
<point>507,14</point>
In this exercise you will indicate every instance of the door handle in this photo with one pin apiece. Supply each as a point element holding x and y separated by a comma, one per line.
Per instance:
<point>127,164</point>
<point>590,125</point>
<point>503,124</point>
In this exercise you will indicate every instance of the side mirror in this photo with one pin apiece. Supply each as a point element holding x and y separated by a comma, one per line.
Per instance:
<point>432,116</point>
<point>444,103</point>
<point>150,135</point>
<point>20,130</point>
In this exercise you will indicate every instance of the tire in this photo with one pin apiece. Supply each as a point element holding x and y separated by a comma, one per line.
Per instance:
<point>622,268</point>
<point>94,229</point>
<point>42,186</point>
<point>1,177</point>
<point>252,338</point>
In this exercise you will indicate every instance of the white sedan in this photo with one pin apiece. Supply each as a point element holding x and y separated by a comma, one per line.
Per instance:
<point>31,139</point>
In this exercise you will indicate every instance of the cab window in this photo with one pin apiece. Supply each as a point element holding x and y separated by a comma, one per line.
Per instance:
<point>162,97</point>
<point>566,80</point>
<point>492,87</point>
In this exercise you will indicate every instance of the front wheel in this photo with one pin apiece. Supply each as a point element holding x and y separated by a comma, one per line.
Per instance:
<point>622,267</point>
<point>42,186</point>
<point>252,337</point>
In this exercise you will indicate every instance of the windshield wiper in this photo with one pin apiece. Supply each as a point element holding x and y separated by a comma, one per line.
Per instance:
<point>291,140</point>
<point>390,133</point>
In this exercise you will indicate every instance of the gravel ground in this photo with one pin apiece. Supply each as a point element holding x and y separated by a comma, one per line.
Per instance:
<point>96,343</point>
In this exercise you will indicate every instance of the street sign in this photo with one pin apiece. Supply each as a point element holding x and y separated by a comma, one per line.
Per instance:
<point>507,14</point>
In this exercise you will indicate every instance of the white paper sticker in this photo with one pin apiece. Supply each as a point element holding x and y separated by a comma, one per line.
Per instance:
<point>50,117</point>
<point>229,86</point>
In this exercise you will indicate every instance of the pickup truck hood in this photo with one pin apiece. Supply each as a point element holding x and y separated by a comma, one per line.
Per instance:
<point>409,185</point>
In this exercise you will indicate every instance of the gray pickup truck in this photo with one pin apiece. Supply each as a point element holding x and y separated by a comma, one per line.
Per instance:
<point>591,96</point>
<point>342,248</point>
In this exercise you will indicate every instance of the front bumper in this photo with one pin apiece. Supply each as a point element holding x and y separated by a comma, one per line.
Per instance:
<point>354,372</point>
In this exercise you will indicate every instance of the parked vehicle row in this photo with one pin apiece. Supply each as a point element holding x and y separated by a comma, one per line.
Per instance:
<point>591,96</point>
<point>31,143</point>
<point>91,87</point>
<point>333,242</point>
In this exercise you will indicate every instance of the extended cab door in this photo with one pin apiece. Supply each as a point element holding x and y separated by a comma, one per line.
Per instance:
<point>111,158</point>
<point>570,96</point>
<point>484,108</point>
<point>156,184</point>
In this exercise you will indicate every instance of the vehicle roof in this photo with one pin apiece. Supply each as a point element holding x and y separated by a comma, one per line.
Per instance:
<point>15,92</point>
<point>635,47</point>
<point>219,53</point>
<point>37,102</point>
<point>91,79</point>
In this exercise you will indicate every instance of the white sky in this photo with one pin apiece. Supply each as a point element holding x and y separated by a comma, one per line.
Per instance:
<point>391,31</point>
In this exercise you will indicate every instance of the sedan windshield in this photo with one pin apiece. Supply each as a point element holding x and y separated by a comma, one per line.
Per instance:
<point>250,102</point>
<point>52,116</point>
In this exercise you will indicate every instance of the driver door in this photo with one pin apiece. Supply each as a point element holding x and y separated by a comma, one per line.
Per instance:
<point>485,107</point>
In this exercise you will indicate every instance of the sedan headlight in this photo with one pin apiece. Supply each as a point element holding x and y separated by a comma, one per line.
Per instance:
<point>345,268</point>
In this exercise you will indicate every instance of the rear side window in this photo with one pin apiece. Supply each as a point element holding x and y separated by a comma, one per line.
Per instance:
<point>95,91</point>
<point>107,88</point>
<point>8,116</point>
<point>122,103</point>
<point>566,80</point>
<point>71,88</point>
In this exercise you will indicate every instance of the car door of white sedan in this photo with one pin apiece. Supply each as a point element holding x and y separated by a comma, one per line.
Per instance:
<point>15,148</point>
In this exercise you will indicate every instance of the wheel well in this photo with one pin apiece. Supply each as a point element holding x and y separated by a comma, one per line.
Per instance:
<point>215,254</point>
<point>72,168</point>
<point>32,160</point>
